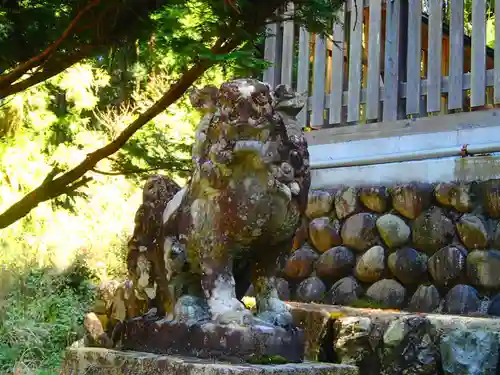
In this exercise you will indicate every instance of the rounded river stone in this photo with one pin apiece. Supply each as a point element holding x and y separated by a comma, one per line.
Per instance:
<point>388,292</point>
<point>375,198</point>
<point>335,263</point>
<point>483,268</point>
<point>472,232</point>
<point>311,289</point>
<point>462,299</point>
<point>371,265</point>
<point>320,203</point>
<point>408,265</point>
<point>359,231</point>
<point>345,291</point>
<point>447,266</point>
<point>491,197</point>
<point>393,230</point>
<point>411,199</point>
<point>301,263</point>
<point>324,233</point>
<point>432,230</point>
<point>347,202</point>
<point>426,299</point>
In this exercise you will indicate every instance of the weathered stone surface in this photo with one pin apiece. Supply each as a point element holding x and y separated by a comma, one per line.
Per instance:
<point>425,299</point>
<point>496,235</point>
<point>472,232</point>
<point>122,306</point>
<point>379,323</point>
<point>462,299</point>
<point>320,203</point>
<point>456,195</point>
<point>97,361</point>
<point>355,344</point>
<point>95,334</point>
<point>393,230</point>
<point>335,263</point>
<point>105,295</point>
<point>410,347</point>
<point>387,292</point>
<point>447,266</point>
<point>370,266</point>
<point>359,231</point>
<point>491,197</point>
<point>210,340</point>
<point>345,291</point>
<point>324,233</point>
<point>145,259</point>
<point>196,250</point>
<point>315,324</point>
<point>469,352</point>
<point>411,199</point>
<point>483,268</point>
<point>432,230</point>
<point>375,198</point>
<point>283,289</point>
<point>311,289</point>
<point>408,265</point>
<point>301,263</point>
<point>301,235</point>
<point>494,307</point>
<point>443,192</point>
<point>347,202</point>
<point>188,310</point>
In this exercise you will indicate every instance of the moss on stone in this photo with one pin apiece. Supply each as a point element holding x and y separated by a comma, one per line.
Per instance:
<point>267,360</point>
<point>368,303</point>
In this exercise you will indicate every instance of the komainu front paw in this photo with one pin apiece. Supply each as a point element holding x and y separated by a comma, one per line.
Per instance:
<point>191,310</point>
<point>276,312</point>
<point>230,311</point>
<point>279,319</point>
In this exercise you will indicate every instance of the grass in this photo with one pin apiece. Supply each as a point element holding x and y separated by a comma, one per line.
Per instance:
<point>41,314</point>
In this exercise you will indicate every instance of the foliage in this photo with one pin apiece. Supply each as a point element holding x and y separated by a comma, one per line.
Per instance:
<point>468,10</point>
<point>82,125</point>
<point>192,37</point>
<point>42,313</point>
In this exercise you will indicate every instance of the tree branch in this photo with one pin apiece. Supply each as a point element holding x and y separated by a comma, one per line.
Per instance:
<point>51,188</point>
<point>48,72</point>
<point>20,70</point>
<point>133,171</point>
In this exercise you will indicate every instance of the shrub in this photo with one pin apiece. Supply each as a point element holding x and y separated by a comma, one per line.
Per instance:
<point>42,313</point>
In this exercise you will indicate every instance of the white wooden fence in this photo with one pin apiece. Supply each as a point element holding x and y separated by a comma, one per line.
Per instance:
<point>360,78</point>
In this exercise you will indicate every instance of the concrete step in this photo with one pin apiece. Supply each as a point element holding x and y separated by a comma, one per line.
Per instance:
<point>99,361</point>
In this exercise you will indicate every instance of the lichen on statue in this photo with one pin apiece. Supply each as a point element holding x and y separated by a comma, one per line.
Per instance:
<point>196,250</point>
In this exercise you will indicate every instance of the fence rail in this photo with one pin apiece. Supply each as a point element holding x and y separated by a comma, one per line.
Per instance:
<point>388,60</point>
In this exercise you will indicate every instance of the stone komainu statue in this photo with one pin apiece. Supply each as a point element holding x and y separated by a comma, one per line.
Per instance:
<point>196,250</point>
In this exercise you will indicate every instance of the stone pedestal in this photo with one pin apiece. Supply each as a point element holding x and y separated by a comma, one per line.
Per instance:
<point>209,340</point>
<point>99,361</point>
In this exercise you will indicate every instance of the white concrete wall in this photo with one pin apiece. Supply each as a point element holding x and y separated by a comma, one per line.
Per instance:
<point>430,170</point>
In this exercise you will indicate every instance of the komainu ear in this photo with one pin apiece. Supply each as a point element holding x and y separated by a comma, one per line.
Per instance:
<point>204,99</point>
<point>288,101</point>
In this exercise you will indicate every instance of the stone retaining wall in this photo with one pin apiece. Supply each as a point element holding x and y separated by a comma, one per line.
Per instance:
<point>381,342</point>
<point>418,247</point>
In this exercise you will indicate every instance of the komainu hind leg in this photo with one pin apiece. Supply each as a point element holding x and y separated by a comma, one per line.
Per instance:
<point>270,308</point>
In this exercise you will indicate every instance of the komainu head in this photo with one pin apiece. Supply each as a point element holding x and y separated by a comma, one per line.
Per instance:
<point>244,116</point>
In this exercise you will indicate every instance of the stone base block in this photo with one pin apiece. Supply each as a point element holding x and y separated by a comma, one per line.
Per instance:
<point>99,361</point>
<point>209,340</point>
